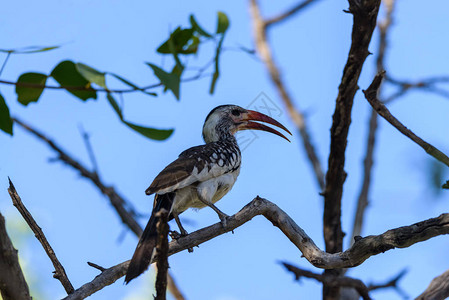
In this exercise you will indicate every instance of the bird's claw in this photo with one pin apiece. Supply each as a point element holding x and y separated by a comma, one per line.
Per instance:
<point>224,219</point>
<point>176,235</point>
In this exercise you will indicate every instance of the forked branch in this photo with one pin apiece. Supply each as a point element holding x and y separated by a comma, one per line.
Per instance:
<point>364,248</point>
<point>382,110</point>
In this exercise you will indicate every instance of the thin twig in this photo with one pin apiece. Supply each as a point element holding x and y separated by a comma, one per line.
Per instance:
<point>90,150</point>
<point>330,280</point>
<point>123,208</point>
<point>263,47</point>
<point>96,266</point>
<point>59,272</point>
<point>362,202</point>
<point>371,96</point>
<point>88,88</point>
<point>392,283</point>
<point>364,248</point>
<point>289,13</point>
<point>4,62</point>
<point>162,252</point>
<point>426,84</point>
<point>13,285</point>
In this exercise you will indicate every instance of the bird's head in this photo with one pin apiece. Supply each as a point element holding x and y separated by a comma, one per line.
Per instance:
<point>226,120</point>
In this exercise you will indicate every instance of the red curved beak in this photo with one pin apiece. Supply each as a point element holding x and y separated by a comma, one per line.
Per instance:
<point>252,115</point>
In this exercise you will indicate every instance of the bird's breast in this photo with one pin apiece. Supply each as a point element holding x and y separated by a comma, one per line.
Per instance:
<point>210,190</point>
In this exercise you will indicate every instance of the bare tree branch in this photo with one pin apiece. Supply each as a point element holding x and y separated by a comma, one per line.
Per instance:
<point>371,96</point>
<point>364,248</point>
<point>289,13</point>
<point>426,84</point>
<point>107,277</point>
<point>438,288</point>
<point>162,252</point>
<point>342,281</point>
<point>13,285</point>
<point>59,272</point>
<point>263,47</point>
<point>123,207</point>
<point>365,15</point>
<point>368,162</point>
<point>392,283</point>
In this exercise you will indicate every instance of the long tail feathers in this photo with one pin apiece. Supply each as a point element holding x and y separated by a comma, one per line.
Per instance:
<point>147,243</point>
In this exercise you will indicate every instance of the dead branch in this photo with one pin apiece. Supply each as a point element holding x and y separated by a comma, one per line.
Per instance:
<point>59,272</point>
<point>426,84</point>
<point>263,47</point>
<point>13,285</point>
<point>364,18</point>
<point>392,283</point>
<point>125,213</point>
<point>371,96</point>
<point>342,281</point>
<point>162,253</point>
<point>365,15</point>
<point>364,248</point>
<point>368,161</point>
<point>289,13</point>
<point>438,288</point>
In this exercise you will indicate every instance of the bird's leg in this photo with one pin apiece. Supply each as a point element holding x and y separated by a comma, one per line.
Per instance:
<point>174,234</point>
<point>223,217</point>
<point>183,231</point>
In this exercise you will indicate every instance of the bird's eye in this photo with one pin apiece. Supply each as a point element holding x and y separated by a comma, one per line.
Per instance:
<point>235,112</point>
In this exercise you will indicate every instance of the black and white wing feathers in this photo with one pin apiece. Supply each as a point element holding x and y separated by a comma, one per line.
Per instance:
<point>197,164</point>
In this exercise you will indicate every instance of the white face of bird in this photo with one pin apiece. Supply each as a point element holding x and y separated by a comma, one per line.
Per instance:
<point>228,119</point>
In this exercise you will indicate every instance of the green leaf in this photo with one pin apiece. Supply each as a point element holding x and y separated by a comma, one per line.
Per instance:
<point>446,185</point>
<point>91,75</point>
<point>34,85</point>
<point>114,105</point>
<point>29,50</point>
<point>217,66</point>
<point>5,118</point>
<point>179,38</point>
<point>66,74</point>
<point>152,133</point>
<point>223,22</point>
<point>169,80</point>
<point>193,45</point>
<point>198,28</point>
<point>129,83</point>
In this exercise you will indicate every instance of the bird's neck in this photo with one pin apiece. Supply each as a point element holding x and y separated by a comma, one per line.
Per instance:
<point>225,137</point>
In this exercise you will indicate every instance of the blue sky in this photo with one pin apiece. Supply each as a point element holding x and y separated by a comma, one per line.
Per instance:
<point>311,49</point>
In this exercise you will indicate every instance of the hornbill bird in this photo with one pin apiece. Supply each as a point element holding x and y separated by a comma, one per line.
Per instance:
<point>200,176</point>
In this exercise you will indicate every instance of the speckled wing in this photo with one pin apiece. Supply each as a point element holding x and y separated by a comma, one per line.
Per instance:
<point>194,165</point>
